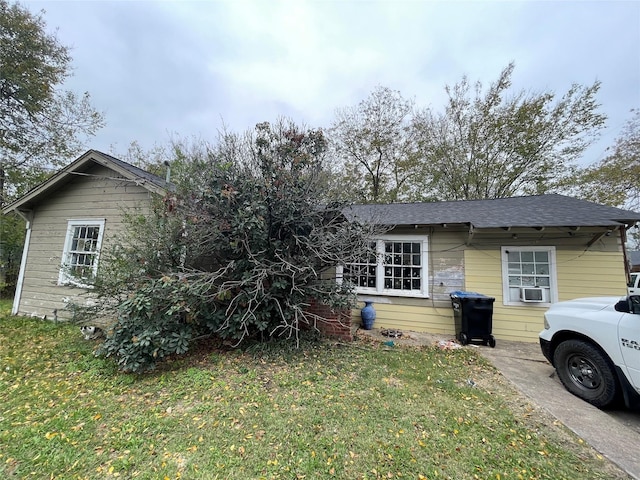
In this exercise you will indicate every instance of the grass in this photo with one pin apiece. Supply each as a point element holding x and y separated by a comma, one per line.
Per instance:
<point>326,410</point>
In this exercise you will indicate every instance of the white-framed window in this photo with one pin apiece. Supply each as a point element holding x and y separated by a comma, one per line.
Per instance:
<point>529,275</point>
<point>396,265</point>
<point>81,252</point>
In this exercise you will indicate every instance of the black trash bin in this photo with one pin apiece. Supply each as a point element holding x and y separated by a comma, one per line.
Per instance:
<point>473,316</point>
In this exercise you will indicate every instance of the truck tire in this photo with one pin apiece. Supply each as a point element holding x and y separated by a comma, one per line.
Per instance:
<point>586,372</point>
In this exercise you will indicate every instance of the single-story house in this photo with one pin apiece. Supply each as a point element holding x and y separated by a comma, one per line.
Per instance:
<point>526,252</point>
<point>68,217</point>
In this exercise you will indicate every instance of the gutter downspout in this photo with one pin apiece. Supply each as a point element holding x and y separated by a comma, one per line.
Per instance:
<point>623,240</point>
<point>23,262</point>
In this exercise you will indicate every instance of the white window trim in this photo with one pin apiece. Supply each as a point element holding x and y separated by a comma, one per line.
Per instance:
<point>380,290</point>
<point>63,278</point>
<point>553,280</point>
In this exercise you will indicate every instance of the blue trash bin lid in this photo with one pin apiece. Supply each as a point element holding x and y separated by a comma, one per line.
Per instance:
<point>464,294</point>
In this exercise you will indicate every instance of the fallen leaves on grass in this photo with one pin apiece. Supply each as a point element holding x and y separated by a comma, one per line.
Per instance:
<point>348,413</point>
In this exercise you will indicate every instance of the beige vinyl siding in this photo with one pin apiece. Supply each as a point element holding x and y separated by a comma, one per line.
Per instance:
<point>580,273</point>
<point>97,196</point>
<point>594,272</point>
<point>483,274</point>
<point>412,318</point>
<point>590,274</point>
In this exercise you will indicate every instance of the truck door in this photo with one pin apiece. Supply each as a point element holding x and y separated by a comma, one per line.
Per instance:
<point>629,337</point>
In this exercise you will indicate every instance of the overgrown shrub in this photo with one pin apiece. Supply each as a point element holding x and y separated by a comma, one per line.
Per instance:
<point>237,251</point>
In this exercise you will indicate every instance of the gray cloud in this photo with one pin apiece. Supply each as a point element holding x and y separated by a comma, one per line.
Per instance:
<point>158,68</point>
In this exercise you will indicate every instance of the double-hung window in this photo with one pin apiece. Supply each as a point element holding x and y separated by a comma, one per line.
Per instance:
<point>81,252</point>
<point>529,275</point>
<point>395,265</point>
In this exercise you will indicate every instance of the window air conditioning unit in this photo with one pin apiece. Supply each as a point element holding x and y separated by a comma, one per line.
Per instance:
<point>532,294</point>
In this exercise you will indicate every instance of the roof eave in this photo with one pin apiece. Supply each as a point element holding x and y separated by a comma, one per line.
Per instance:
<point>91,155</point>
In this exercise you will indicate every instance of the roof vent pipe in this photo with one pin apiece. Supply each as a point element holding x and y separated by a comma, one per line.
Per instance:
<point>168,176</point>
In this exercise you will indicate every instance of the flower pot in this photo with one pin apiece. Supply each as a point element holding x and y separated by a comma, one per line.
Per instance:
<point>368,315</point>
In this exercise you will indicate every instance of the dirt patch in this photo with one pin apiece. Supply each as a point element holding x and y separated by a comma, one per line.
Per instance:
<point>406,338</point>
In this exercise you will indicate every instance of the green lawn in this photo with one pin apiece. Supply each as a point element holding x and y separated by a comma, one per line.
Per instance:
<point>326,410</point>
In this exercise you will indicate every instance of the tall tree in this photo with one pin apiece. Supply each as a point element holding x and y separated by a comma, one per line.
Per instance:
<point>41,124</point>
<point>375,145</point>
<point>614,180</point>
<point>492,144</point>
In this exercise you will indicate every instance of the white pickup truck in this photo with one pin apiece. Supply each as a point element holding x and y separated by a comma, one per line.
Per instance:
<point>594,345</point>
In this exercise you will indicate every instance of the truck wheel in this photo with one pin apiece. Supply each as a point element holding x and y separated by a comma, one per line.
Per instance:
<point>586,372</point>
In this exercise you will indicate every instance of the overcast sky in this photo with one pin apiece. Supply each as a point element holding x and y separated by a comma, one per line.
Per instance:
<point>166,68</point>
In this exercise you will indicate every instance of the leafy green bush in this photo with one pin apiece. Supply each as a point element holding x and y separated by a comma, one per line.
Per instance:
<point>159,319</point>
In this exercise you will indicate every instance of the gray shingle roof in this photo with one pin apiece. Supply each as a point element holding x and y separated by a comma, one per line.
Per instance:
<point>138,172</point>
<point>533,211</point>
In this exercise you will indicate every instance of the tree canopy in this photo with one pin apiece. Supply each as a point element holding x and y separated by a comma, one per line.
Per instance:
<point>492,144</point>
<point>486,143</point>
<point>41,124</point>
<point>375,143</point>
<point>614,180</point>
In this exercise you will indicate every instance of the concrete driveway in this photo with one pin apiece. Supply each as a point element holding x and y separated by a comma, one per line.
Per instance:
<point>615,434</point>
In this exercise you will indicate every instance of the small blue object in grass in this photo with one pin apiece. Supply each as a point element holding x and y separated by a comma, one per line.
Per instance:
<point>389,343</point>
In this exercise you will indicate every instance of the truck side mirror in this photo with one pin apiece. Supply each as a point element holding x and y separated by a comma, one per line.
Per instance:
<point>622,306</point>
